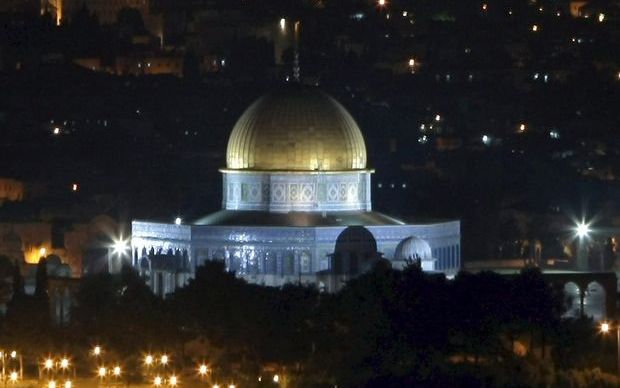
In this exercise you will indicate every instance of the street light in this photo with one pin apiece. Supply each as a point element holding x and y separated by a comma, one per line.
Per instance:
<point>582,229</point>
<point>148,360</point>
<point>412,64</point>
<point>606,328</point>
<point>97,350</point>
<point>64,363</point>
<point>164,359</point>
<point>117,371</point>
<point>157,382</point>
<point>101,372</point>
<point>120,246</point>
<point>173,381</point>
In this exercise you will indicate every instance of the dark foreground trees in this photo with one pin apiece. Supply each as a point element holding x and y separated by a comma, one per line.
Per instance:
<point>384,328</point>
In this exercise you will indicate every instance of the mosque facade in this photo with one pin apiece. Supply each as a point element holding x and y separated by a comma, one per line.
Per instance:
<point>296,207</point>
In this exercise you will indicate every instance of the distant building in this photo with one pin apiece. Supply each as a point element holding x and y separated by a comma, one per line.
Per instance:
<point>75,244</point>
<point>296,207</point>
<point>106,10</point>
<point>27,7</point>
<point>575,7</point>
<point>11,190</point>
<point>151,64</point>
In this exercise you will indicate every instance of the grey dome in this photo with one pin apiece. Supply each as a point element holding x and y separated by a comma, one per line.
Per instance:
<point>413,248</point>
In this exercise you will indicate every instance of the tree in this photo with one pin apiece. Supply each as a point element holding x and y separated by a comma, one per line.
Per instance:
<point>41,284</point>
<point>18,282</point>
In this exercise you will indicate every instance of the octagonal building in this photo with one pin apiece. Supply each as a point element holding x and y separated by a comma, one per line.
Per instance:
<point>296,206</point>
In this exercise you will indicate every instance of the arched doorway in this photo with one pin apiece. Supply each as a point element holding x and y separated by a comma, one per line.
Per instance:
<point>594,302</point>
<point>572,300</point>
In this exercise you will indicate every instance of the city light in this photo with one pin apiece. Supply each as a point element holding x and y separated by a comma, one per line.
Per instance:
<point>116,371</point>
<point>49,364</point>
<point>101,372</point>
<point>582,229</point>
<point>522,127</point>
<point>437,117</point>
<point>13,376</point>
<point>68,384</point>
<point>601,17</point>
<point>381,3</point>
<point>276,378</point>
<point>164,359</point>
<point>97,350</point>
<point>173,380</point>
<point>282,24</point>
<point>64,363</point>
<point>178,221</point>
<point>535,28</point>
<point>157,381</point>
<point>605,328</point>
<point>202,370</point>
<point>148,360</point>
<point>120,246</point>
<point>14,354</point>
<point>51,384</point>
<point>42,252</point>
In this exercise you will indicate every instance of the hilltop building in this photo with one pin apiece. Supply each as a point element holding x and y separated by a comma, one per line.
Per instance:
<point>296,206</point>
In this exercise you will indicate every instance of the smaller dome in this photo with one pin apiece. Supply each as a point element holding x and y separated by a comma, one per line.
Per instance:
<point>413,248</point>
<point>61,271</point>
<point>355,251</point>
<point>53,260</point>
<point>356,239</point>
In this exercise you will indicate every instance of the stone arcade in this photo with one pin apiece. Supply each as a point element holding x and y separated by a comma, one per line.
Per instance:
<point>296,206</point>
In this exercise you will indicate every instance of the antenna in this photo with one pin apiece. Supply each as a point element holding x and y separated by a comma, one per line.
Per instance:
<point>296,67</point>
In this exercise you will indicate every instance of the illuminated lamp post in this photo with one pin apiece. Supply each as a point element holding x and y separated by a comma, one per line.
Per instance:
<point>11,357</point>
<point>582,230</point>
<point>606,328</point>
<point>118,251</point>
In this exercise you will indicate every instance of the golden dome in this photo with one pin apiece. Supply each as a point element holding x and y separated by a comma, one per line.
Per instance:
<point>296,129</point>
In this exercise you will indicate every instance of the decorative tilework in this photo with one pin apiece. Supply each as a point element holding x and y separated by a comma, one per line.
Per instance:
<point>307,193</point>
<point>284,192</point>
<point>279,192</point>
<point>293,192</point>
